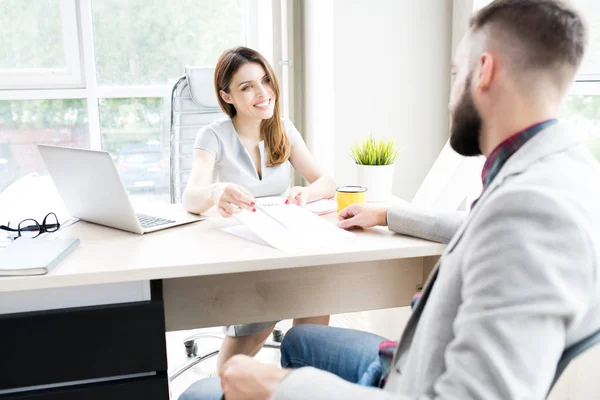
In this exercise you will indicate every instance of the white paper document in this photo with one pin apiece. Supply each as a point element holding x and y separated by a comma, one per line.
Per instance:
<point>286,227</point>
<point>244,232</point>
<point>322,207</point>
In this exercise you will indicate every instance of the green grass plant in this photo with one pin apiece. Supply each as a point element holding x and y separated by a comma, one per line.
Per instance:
<point>371,151</point>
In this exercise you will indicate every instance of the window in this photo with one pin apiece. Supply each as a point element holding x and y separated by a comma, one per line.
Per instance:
<point>98,74</point>
<point>584,110</point>
<point>40,45</point>
<point>26,123</point>
<point>32,44</point>
<point>582,106</point>
<point>147,42</point>
<point>135,132</point>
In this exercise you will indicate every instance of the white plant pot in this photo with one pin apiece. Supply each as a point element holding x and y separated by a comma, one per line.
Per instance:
<point>378,179</point>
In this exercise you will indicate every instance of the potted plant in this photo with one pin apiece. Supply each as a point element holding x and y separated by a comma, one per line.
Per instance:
<point>375,166</point>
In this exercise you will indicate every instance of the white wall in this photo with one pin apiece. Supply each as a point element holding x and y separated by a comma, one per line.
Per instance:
<point>380,66</point>
<point>317,81</point>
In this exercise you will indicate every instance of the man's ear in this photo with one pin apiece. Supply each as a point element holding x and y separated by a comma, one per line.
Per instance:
<point>487,70</point>
<point>226,97</point>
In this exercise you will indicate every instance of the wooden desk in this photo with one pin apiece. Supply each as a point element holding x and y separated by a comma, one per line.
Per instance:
<point>201,276</point>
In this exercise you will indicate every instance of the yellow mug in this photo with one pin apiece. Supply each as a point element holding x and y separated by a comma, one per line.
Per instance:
<point>347,195</point>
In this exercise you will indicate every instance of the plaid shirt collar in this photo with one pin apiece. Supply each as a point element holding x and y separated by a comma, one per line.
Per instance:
<point>507,148</point>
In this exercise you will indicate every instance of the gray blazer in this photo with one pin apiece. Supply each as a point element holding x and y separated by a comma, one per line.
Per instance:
<point>517,283</point>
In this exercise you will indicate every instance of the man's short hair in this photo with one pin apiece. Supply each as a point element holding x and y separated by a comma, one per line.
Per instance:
<point>549,33</point>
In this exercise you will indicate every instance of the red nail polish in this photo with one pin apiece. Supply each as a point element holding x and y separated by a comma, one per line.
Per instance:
<point>287,202</point>
<point>254,210</point>
<point>253,203</point>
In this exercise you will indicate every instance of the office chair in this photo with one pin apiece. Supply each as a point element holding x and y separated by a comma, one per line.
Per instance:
<point>194,105</point>
<point>573,352</point>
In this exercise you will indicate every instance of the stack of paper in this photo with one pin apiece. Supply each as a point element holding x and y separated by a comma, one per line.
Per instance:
<point>286,227</point>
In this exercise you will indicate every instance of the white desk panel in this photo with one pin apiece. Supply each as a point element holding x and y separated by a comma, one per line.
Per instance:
<point>77,296</point>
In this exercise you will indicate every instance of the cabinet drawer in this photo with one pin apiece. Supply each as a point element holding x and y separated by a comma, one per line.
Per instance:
<point>55,346</point>
<point>150,388</point>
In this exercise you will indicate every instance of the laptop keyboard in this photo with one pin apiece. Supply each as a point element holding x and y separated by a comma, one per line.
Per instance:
<point>148,221</point>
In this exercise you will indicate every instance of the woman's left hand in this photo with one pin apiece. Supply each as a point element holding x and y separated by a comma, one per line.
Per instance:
<point>298,195</point>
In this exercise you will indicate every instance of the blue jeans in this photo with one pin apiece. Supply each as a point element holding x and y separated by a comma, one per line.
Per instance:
<point>352,355</point>
<point>205,389</point>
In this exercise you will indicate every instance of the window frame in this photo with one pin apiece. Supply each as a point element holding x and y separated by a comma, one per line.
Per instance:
<point>71,76</point>
<point>585,88</point>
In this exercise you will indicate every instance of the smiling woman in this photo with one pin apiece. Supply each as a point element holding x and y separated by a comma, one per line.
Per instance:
<point>248,89</point>
<point>249,154</point>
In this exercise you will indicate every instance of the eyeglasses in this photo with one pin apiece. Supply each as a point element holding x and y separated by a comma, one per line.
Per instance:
<point>30,228</point>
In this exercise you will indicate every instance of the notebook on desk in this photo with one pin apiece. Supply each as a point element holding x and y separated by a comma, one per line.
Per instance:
<point>34,256</point>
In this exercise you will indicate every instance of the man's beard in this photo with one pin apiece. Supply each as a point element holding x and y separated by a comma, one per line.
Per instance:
<point>466,125</point>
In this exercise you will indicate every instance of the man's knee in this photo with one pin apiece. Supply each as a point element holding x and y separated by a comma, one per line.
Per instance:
<point>288,344</point>
<point>294,343</point>
<point>204,389</point>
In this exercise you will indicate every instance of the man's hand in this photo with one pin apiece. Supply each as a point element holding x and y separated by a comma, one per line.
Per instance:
<point>362,216</point>
<point>298,195</point>
<point>244,378</point>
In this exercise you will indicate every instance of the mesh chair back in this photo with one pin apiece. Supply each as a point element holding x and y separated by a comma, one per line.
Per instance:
<point>193,105</point>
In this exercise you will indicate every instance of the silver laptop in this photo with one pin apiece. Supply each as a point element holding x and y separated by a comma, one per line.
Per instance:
<point>92,190</point>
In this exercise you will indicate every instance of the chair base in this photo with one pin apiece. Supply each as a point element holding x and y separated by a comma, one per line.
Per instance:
<point>191,349</point>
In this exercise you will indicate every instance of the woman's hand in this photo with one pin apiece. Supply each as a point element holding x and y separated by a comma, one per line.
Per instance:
<point>232,199</point>
<point>298,195</point>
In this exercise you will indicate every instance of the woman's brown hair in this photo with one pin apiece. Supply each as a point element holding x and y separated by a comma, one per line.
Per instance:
<point>277,144</point>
